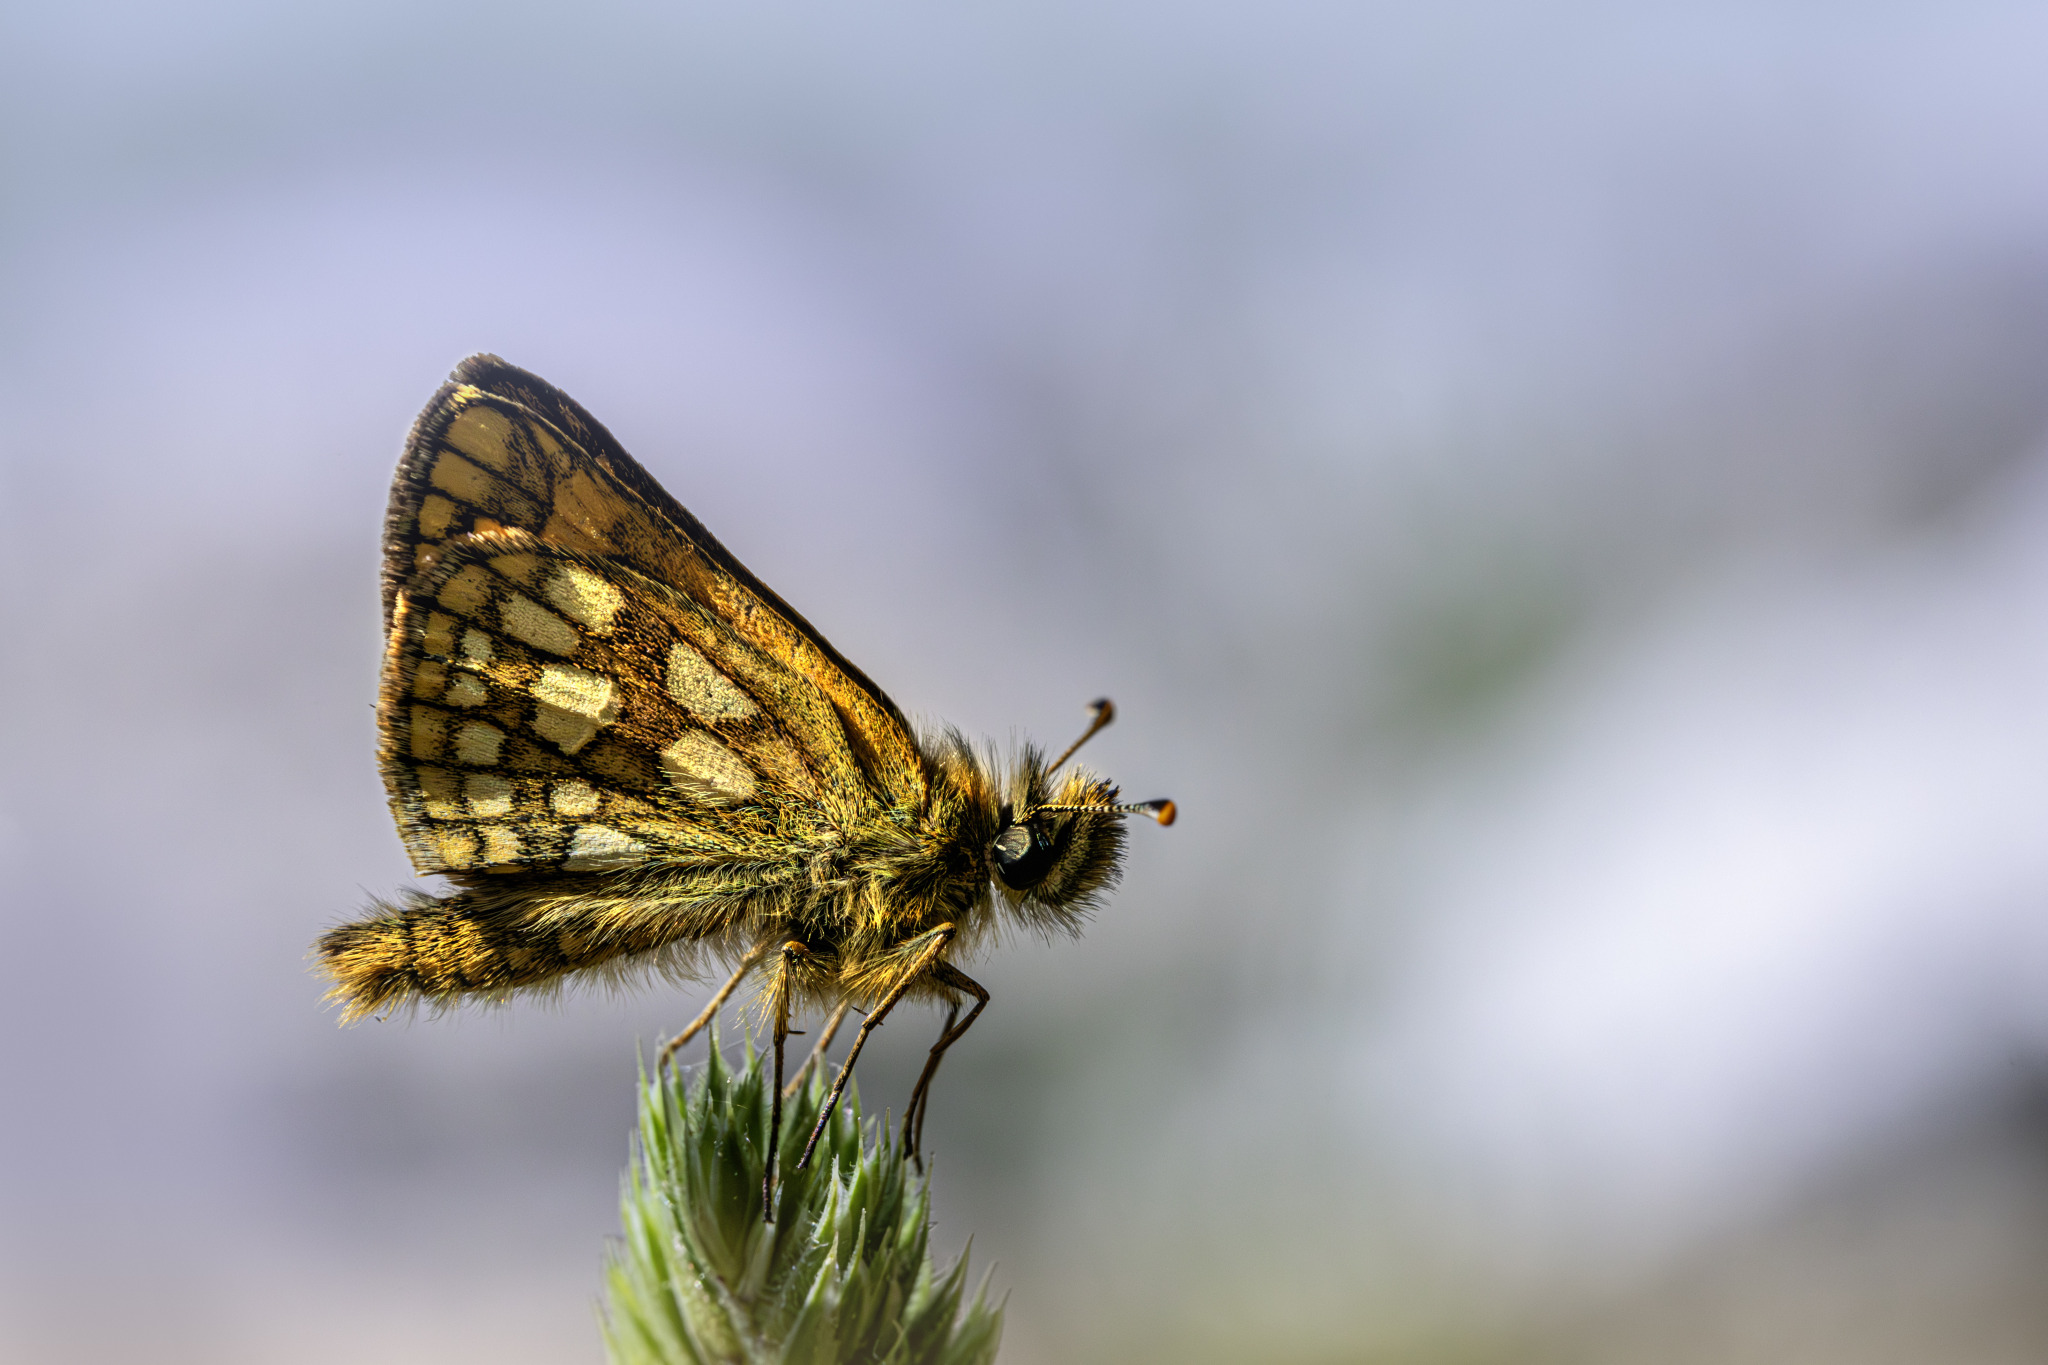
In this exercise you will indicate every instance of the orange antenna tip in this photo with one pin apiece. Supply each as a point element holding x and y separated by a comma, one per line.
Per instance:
<point>1163,811</point>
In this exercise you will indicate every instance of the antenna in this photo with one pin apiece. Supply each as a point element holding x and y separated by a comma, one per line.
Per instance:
<point>1161,810</point>
<point>1105,712</point>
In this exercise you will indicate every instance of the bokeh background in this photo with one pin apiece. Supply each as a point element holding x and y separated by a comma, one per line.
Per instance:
<point>1559,494</point>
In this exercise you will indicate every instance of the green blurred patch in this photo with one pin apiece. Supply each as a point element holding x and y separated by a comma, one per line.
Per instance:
<point>1465,646</point>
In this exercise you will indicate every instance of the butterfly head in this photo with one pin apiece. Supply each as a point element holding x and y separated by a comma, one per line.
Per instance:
<point>1059,840</point>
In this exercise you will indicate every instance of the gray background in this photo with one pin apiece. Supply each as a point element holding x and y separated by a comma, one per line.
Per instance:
<point>1558,494</point>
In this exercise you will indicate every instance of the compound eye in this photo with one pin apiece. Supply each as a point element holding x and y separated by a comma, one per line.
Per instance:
<point>1022,855</point>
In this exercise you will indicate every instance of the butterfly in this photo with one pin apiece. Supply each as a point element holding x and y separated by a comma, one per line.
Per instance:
<point>629,757</point>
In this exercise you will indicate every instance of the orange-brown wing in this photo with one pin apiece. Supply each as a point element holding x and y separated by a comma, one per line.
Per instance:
<point>547,710</point>
<point>498,447</point>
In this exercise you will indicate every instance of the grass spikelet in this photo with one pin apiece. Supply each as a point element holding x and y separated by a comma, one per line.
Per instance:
<point>843,1276</point>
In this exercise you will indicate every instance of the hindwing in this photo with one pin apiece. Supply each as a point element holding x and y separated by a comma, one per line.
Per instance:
<point>544,709</point>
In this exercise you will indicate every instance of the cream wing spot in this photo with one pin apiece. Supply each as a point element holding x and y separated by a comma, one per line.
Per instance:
<point>600,848</point>
<point>573,798</point>
<point>476,646</point>
<point>477,744</point>
<point>438,794</point>
<point>527,620</point>
<point>490,796</point>
<point>574,705</point>
<point>702,689</point>
<point>457,848</point>
<point>467,689</point>
<point>584,596</point>
<point>700,766</point>
<point>501,845</point>
<point>578,691</point>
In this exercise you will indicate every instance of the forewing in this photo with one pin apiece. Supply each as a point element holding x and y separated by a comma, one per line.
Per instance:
<point>548,710</point>
<point>500,448</point>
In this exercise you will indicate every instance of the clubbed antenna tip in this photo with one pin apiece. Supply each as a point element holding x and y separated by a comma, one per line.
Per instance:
<point>1161,810</point>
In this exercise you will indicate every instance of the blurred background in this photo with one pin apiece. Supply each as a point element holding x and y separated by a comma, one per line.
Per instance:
<point>1559,495</point>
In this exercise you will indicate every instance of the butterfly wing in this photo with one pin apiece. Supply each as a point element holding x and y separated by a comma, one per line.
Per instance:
<point>546,710</point>
<point>500,449</point>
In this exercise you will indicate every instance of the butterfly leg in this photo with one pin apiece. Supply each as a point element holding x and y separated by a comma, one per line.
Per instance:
<point>913,1128</point>
<point>817,1057</point>
<point>790,953</point>
<point>668,1050</point>
<point>940,938</point>
<point>920,1097</point>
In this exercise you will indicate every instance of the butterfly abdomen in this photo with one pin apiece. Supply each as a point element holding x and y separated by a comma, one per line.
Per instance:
<point>434,951</point>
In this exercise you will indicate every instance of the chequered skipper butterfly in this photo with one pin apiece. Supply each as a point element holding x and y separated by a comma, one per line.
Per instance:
<point>627,754</point>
